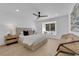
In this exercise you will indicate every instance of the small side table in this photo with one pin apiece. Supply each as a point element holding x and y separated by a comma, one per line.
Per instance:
<point>9,39</point>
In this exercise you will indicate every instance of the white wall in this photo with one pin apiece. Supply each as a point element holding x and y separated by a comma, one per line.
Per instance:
<point>3,31</point>
<point>62,24</point>
<point>38,27</point>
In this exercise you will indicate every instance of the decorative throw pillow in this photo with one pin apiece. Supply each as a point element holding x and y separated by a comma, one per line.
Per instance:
<point>25,33</point>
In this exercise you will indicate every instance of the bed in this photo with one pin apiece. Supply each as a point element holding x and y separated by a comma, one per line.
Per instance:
<point>33,42</point>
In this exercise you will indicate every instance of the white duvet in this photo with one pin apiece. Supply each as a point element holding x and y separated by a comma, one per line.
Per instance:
<point>33,39</point>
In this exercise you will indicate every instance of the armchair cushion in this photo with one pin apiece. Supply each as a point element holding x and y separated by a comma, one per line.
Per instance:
<point>68,38</point>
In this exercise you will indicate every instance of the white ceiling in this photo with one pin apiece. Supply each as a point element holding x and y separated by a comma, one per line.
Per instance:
<point>27,9</point>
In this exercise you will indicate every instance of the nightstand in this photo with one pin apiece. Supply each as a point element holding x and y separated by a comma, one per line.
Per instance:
<point>10,39</point>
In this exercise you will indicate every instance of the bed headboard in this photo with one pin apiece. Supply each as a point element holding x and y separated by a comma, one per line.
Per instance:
<point>20,29</point>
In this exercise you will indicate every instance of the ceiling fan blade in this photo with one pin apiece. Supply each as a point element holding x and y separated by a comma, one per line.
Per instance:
<point>44,16</point>
<point>38,17</point>
<point>35,14</point>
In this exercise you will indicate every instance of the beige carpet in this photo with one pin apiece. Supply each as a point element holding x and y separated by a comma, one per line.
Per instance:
<point>49,49</point>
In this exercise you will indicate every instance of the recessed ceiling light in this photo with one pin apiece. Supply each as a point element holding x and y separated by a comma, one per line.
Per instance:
<point>17,10</point>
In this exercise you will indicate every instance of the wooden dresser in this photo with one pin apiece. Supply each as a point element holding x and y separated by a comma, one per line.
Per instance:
<point>9,39</point>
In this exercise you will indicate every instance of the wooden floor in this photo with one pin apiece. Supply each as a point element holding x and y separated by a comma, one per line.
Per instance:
<point>49,49</point>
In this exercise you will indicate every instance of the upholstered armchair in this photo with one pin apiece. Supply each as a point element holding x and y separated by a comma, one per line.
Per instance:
<point>69,45</point>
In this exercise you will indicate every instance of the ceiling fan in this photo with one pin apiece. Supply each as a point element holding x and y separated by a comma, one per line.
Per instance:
<point>39,15</point>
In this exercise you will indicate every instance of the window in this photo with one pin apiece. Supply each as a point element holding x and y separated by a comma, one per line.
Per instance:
<point>50,27</point>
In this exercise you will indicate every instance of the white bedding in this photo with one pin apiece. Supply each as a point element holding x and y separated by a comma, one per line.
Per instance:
<point>33,39</point>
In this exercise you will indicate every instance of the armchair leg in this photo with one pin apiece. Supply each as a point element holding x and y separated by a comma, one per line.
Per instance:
<point>57,53</point>
<point>64,52</point>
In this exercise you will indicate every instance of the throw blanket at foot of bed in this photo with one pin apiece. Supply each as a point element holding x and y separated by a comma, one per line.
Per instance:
<point>33,42</point>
